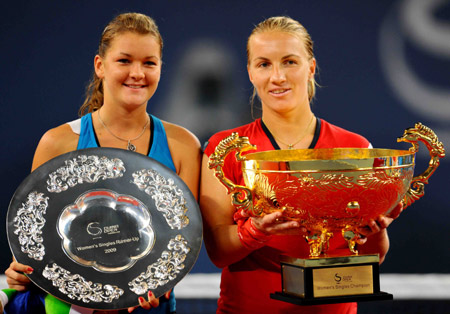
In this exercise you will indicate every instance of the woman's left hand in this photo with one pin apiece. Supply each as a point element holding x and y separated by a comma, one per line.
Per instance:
<point>150,303</point>
<point>376,225</point>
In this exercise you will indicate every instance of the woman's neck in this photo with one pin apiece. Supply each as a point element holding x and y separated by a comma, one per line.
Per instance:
<point>291,130</point>
<point>123,118</point>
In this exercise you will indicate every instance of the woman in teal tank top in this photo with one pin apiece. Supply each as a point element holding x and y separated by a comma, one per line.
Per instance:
<point>127,70</point>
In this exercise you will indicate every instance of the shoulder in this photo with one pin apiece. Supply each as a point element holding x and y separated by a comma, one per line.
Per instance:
<point>55,142</point>
<point>334,136</point>
<point>61,138</point>
<point>185,150</point>
<point>180,135</point>
<point>248,130</point>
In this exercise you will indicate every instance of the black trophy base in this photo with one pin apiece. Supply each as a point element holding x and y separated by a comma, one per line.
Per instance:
<point>381,296</point>
<point>327,280</point>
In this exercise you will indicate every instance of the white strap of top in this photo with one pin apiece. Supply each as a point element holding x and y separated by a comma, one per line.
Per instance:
<point>75,125</point>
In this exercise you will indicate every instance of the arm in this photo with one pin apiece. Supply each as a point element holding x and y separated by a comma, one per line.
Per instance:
<point>375,237</point>
<point>53,143</point>
<point>221,237</point>
<point>222,241</point>
<point>186,154</point>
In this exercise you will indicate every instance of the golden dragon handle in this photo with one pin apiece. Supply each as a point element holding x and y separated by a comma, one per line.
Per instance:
<point>425,135</point>
<point>241,196</point>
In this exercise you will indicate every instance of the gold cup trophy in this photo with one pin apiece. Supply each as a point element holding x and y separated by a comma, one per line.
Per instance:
<point>328,191</point>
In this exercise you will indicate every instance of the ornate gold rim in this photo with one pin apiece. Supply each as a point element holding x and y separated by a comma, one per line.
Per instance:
<point>328,171</point>
<point>326,154</point>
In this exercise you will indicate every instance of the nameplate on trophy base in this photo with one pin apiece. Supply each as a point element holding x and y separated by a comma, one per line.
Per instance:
<point>329,280</point>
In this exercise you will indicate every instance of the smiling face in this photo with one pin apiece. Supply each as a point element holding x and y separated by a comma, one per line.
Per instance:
<point>130,69</point>
<point>280,69</point>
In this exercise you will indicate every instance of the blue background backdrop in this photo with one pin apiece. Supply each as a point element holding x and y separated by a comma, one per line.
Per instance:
<point>384,65</point>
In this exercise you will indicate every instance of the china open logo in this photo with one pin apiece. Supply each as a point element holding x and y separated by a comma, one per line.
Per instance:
<point>337,278</point>
<point>345,278</point>
<point>93,229</point>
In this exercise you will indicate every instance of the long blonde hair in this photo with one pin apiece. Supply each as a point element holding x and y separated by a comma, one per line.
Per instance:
<point>291,26</point>
<point>125,22</point>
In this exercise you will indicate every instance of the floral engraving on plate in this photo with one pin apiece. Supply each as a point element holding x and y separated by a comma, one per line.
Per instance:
<point>84,169</point>
<point>164,269</point>
<point>28,222</point>
<point>168,198</point>
<point>78,288</point>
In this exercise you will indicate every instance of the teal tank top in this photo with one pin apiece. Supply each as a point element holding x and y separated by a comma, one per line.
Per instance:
<point>159,148</point>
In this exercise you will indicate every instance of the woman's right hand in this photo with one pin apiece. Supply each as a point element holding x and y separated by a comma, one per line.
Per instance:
<point>275,224</point>
<point>15,277</point>
<point>151,302</point>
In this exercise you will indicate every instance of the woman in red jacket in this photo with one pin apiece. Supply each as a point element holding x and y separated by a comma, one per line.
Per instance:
<point>281,66</point>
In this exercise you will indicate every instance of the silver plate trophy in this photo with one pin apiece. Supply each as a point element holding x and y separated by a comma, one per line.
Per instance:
<point>102,226</point>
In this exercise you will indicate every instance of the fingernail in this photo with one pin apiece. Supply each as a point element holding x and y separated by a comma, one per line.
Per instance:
<point>141,300</point>
<point>150,293</point>
<point>30,270</point>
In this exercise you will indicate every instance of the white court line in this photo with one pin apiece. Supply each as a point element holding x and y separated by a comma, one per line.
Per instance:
<point>417,286</point>
<point>402,286</point>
